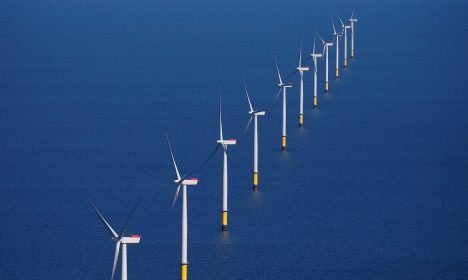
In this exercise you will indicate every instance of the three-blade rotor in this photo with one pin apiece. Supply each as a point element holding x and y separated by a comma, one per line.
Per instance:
<point>115,236</point>
<point>336,34</point>
<point>315,55</point>
<point>252,112</point>
<point>183,180</point>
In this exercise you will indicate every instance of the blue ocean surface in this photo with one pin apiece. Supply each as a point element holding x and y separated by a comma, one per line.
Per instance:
<point>374,186</point>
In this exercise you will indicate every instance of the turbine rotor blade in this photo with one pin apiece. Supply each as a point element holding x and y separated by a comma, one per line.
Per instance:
<point>277,69</point>
<point>321,39</point>
<point>248,98</point>
<point>220,120</point>
<point>333,24</point>
<point>278,94</point>
<point>108,226</point>
<point>172,155</point>
<point>215,150</point>
<point>313,51</point>
<point>247,126</point>
<point>292,73</point>
<point>300,56</point>
<point>176,194</point>
<point>342,24</point>
<point>124,229</point>
<point>248,123</point>
<point>116,258</point>
<point>212,154</point>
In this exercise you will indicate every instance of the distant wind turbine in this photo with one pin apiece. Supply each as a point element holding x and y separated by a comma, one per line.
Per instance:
<point>283,87</point>
<point>120,240</point>
<point>182,182</point>
<point>301,69</point>
<point>345,28</point>
<point>224,144</point>
<point>337,47</point>
<point>254,114</point>
<point>352,20</point>
<point>314,57</point>
<point>326,45</point>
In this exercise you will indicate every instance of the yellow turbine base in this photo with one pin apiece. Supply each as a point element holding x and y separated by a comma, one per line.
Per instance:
<point>225,220</point>
<point>352,53</point>
<point>255,180</point>
<point>283,143</point>
<point>301,119</point>
<point>315,101</point>
<point>345,63</point>
<point>326,86</point>
<point>337,73</point>
<point>183,271</point>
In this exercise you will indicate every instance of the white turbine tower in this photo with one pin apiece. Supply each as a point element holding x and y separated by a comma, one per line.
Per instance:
<point>314,57</point>
<point>283,87</point>
<point>254,114</point>
<point>337,47</point>
<point>182,182</point>
<point>326,45</point>
<point>120,240</point>
<point>224,144</point>
<point>352,20</point>
<point>345,28</point>
<point>301,69</point>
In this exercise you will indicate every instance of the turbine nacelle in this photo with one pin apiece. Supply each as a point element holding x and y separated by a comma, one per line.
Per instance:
<point>288,85</point>
<point>353,19</point>
<point>257,113</point>
<point>304,68</point>
<point>187,182</point>
<point>132,239</point>
<point>231,141</point>
<point>329,44</point>
<point>314,55</point>
<point>119,239</point>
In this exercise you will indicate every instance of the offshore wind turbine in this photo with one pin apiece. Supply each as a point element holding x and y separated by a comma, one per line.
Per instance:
<point>301,69</point>
<point>283,87</point>
<point>182,182</point>
<point>326,45</point>
<point>352,20</point>
<point>120,240</point>
<point>224,144</point>
<point>254,114</point>
<point>337,47</point>
<point>314,57</point>
<point>345,28</point>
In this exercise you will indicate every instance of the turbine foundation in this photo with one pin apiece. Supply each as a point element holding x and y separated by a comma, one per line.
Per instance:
<point>255,180</point>
<point>283,143</point>
<point>352,53</point>
<point>183,271</point>
<point>337,72</point>
<point>326,86</point>
<point>225,221</point>
<point>301,119</point>
<point>315,101</point>
<point>345,63</point>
